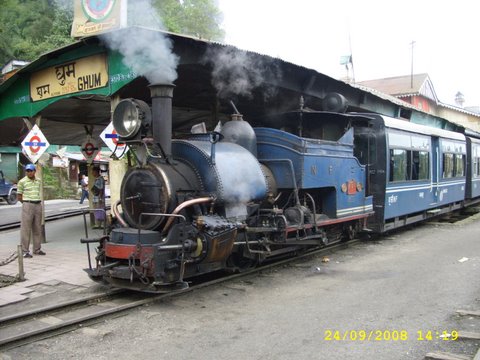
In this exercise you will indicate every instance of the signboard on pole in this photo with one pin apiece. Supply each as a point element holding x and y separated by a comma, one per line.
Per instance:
<point>90,149</point>
<point>35,144</point>
<point>110,138</point>
<point>94,17</point>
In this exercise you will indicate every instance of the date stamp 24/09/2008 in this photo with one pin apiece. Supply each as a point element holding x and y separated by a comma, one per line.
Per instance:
<point>389,335</point>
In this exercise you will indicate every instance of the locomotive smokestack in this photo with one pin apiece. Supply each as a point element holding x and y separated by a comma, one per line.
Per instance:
<point>162,116</point>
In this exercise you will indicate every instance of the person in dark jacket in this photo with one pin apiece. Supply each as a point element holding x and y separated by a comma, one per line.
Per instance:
<point>98,200</point>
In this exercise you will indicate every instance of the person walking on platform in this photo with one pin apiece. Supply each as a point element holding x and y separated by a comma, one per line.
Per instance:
<point>84,185</point>
<point>98,191</point>
<point>28,193</point>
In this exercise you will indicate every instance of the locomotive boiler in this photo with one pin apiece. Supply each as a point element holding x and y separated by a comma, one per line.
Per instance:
<point>223,200</point>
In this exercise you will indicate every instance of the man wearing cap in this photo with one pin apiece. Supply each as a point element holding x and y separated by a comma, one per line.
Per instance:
<point>28,193</point>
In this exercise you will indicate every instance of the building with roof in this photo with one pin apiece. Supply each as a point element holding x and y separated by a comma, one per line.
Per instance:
<point>11,68</point>
<point>418,91</point>
<point>13,65</point>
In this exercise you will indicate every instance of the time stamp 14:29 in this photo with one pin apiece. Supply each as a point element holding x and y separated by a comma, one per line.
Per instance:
<point>389,335</point>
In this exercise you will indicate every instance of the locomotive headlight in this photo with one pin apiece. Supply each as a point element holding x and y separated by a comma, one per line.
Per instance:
<point>131,118</point>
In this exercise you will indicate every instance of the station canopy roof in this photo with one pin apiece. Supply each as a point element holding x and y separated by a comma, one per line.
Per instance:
<point>71,88</point>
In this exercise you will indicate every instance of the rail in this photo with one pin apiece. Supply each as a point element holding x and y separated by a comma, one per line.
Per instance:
<point>28,327</point>
<point>51,217</point>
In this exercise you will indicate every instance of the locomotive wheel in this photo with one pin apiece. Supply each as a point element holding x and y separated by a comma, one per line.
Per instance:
<point>350,231</point>
<point>238,263</point>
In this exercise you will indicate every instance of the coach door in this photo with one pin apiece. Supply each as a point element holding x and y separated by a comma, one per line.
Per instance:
<point>435,169</point>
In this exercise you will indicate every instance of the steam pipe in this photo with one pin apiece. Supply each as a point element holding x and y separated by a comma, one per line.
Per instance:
<point>116,213</point>
<point>183,206</point>
<point>162,95</point>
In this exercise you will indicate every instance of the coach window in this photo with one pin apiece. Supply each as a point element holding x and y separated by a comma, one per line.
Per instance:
<point>447,165</point>
<point>476,161</point>
<point>420,163</point>
<point>459,165</point>
<point>398,165</point>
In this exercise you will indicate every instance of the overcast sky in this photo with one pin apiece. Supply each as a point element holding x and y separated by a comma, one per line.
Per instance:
<point>378,33</point>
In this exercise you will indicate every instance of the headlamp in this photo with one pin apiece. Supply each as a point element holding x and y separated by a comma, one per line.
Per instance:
<point>131,118</point>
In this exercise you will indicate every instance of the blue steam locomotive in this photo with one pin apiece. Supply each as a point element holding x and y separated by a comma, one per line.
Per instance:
<point>232,198</point>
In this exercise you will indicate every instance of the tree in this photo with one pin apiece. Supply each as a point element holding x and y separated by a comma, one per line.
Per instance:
<point>199,18</point>
<point>29,28</point>
<point>32,27</point>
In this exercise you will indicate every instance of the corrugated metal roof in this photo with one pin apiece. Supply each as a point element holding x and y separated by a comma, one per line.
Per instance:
<point>384,96</point>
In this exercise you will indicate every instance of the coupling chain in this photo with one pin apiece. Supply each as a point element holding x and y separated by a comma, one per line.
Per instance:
<point>9,259</point>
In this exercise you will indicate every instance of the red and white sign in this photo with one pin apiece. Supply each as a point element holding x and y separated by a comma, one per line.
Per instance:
<point>35,144</point>
<point>110,138</point>
<point>90,149</point>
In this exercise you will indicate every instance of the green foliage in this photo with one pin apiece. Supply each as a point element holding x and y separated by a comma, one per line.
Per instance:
<point>49,179</point>
<point>29,28</point>
<point>199,18</point>
<point>56,184</point>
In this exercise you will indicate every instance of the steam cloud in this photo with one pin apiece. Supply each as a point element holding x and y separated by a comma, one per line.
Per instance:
<point>147,53</point>
<point>235,72</point>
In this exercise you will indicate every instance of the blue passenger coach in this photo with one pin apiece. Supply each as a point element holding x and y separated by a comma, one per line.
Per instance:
<point>415,171</point>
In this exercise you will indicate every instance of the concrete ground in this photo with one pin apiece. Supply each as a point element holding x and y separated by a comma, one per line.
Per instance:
<point>392,292</point>
<point>64,261</point>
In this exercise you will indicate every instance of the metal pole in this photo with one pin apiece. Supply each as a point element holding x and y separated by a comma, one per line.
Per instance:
<point>21,273</point>
<point>39,173</point>
<point>411,70</point>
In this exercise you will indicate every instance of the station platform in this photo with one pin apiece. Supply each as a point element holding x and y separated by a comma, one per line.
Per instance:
<point>61,269</point>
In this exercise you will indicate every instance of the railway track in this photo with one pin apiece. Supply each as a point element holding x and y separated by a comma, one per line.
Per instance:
<point>30,326</point>
<point>62,215</point>
<point>59,215</point>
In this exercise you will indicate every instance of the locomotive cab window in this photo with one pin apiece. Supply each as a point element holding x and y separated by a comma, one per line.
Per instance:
<point>365,146</point>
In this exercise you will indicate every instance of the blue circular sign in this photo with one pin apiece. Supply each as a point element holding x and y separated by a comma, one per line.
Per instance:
<point>97,10</point>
